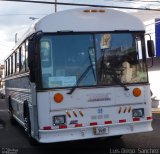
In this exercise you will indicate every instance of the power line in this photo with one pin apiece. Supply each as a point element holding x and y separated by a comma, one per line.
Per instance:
<point>80,4</point>
<point>20,14</point>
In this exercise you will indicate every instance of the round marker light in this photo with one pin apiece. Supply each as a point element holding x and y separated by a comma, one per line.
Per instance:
<point>86,11</point>
<point>58,98</point>
<point>94,10</point>
<point>137,92</point>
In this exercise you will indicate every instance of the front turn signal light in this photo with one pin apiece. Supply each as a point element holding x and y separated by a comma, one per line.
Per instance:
<point>137,92</point>
<point>58,98</point>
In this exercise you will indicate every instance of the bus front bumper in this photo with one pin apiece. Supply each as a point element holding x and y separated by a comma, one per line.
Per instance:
<point>79,133</point>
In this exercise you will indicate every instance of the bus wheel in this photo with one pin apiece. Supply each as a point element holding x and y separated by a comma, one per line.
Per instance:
<point>27,123</point>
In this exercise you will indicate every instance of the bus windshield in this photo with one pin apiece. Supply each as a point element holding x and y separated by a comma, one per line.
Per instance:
<point>92,59</point>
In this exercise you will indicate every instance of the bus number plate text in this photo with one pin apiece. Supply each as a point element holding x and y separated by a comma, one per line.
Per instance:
<point>100,130</point>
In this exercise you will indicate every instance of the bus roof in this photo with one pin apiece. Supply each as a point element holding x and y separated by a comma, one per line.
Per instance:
<point>89,19</point>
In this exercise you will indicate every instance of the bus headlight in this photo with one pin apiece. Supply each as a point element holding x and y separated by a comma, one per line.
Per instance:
<point>59,120</point>
<point>138,112</point>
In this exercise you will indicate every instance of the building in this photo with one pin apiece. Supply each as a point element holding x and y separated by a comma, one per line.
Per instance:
<point>153,32</point>
<point>1,75</point>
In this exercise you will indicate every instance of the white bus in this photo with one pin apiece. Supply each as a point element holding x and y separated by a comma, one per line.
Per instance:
<point>80,74</point>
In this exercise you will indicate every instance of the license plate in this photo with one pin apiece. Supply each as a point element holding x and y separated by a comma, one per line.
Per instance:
<point>100,130</point>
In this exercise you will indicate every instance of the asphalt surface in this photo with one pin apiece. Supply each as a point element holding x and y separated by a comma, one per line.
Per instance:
<point>13,140</point>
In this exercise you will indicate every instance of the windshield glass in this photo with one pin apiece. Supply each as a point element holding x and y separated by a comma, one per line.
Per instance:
<point>92,59</point>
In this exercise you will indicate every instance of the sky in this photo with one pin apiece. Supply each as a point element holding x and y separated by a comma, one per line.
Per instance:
<point>15,17</point>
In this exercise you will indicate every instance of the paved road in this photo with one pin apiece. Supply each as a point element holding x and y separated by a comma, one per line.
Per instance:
<point>13,140</point>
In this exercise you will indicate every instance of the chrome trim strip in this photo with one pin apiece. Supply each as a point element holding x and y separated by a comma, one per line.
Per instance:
<point>14,76</point>
<point>18,101</point>
<point>19,121</point>
<point>19,90</point>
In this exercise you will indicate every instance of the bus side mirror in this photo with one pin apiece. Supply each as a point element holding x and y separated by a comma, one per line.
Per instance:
<point>151,50</point>
<point>31,59</point>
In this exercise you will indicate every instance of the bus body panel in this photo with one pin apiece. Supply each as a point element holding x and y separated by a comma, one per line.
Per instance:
<point>94,97</point>
<point>19,90</point>
<point>52,136</point>
<point>76,19</point>
<point>115,117</point>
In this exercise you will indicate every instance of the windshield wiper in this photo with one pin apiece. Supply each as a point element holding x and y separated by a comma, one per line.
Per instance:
<point>90,54</point>
<point>117,80</point>
<point>113,74</point>
<point>80,79</point>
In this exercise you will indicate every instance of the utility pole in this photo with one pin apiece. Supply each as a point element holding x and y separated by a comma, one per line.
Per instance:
<point>55,5</point>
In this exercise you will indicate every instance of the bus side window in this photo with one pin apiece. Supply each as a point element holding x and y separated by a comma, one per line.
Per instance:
<point>20,65</point>
<point>8,66</point>
<point>26,57</point>
<point>23,65</point>
<point>13,63</point>
<point>11,59</point>
<point>17,61</point>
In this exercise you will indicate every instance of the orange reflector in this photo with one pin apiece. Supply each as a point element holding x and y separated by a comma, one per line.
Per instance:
<point>137,92</point>
<point>108,122</point>
<point>125,109</point>
<point>69,115</point>
<point>94,10</point>
<point>62,126</point>
<point>149,118</point>
<point>120,109</point>
<point>58,98</point>
<point>136,119</point>
<point>81,113</point>
<point>122,121</point>
<point>75,114</point>
<point>47,128</point>
<point>78,125</point>
<point>129,110</point>
<point>86,11</point>
<point>93,123</point>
